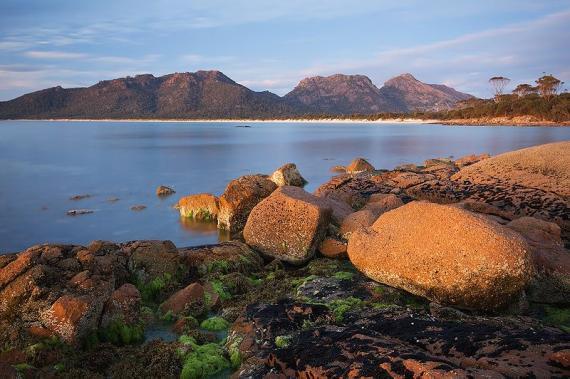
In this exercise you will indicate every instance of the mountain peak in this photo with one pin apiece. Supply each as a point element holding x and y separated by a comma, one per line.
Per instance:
<point>211,94</point>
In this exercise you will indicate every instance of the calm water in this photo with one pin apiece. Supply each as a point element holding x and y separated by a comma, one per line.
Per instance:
<point>43,164</point>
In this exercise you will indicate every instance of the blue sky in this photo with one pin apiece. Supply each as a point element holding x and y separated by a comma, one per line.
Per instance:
<point>271,45</point>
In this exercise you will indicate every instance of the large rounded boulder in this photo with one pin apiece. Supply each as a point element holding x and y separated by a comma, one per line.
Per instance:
<point>288,225</point>
<point>239,198</point>
<point>443,253</point>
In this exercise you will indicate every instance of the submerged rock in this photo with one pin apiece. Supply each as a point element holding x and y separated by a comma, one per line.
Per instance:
<point>78,212</point>
<point>162,191</point>
<point>202,206</point>
<point>138,207</point>
<point>445,254</point>
<point>288,175</point>
<point>288,225</point>
<point>239,198</point>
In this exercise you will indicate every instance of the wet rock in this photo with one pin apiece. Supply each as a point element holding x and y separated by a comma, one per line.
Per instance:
<point>445,254</point>
<point>202,206</point>
<point>162,191</point>
<point>288,225</point>
<point>239,198</point>
<point>78,212</point>
<point>392,343</point>
<point>180,302</point>
<point>333,248</point>
<point>288,175</point>
<point>359,165</point>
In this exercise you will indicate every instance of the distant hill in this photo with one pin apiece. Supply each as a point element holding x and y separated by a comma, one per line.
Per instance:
<point>409,94</point>
<point>340,94</point>
<point>211,94</point>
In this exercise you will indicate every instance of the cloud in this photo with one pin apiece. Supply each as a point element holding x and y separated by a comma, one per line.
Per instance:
<point>54,55</point>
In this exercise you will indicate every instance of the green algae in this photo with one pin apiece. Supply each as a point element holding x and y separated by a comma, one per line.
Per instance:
<point>215,324</point>
<point>344,275</point>
<point>202,361</point>
<point>283,341</point>
<point>341,306</point>
<point>118,333</point>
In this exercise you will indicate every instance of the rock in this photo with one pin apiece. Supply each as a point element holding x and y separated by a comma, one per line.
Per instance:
<point>80,197</point>
<point>138,207</point>
<point>164,191</point>
<point>338,169</point>
<point>8,372</point>
<point>445,254</point>
<point>393,343</point>
<point>470,159</point>
<point>124,305</point>
<point>438,162</point>
<point>181,300</point>
<point>352,190</point>
<point>333,248</point>
<point>380,203</point>
<point>288,175</point>
<point>72,317</point>
<point>544,239</point>
<point>24,261</point>
<point>153,259</point>
<point>409,179</point>
<point>203,206</point>
<point>339,209</point>
<point>78,212</point>
<point>357,220</point>
<point>359,165</point>
<point>544,167</point>
<point>288,225</point>
<point>223,258</point>
<point>239,198</point>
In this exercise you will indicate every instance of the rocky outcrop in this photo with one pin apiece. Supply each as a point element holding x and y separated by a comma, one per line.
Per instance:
<point>393,343</point>
<point>544,167</point>
<point>288,175</point>
<point>445,254</point>
<point>239,198</point>
<point>202,206</point>
<point>288,225</point>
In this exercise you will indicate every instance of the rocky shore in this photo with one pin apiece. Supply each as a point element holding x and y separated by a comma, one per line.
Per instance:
<point>452,268</point>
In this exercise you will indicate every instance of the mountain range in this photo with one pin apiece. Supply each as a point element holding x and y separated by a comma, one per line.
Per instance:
<point>211,94</point>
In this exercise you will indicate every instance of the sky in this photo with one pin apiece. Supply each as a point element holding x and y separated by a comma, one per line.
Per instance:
<point>272,45</point>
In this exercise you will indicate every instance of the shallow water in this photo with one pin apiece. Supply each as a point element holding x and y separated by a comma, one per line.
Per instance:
<point>43,164</point>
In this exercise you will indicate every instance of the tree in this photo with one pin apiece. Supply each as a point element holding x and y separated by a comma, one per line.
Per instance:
<point>499,83</point>
<point>524,89</point>
<point>548,86</point>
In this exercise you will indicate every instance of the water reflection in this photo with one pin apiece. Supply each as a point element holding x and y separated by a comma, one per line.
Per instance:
<point>203,228</point>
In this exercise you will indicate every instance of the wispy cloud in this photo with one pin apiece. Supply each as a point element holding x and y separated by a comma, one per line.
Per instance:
<point>54,55</point>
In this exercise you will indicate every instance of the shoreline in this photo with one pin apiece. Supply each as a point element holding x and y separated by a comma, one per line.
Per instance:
<point>316,121</point>
<point>491,122</point>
